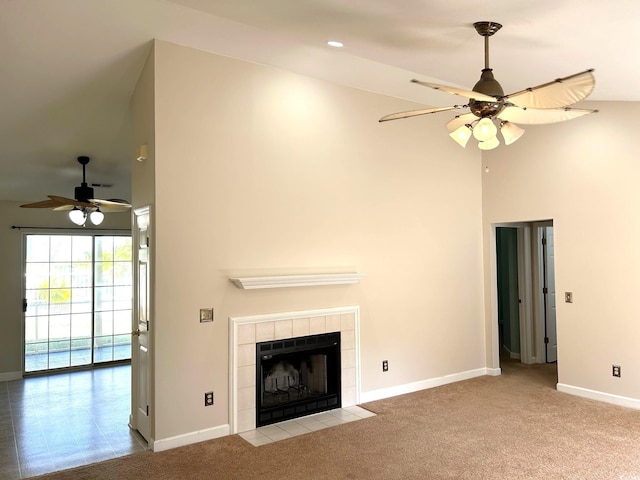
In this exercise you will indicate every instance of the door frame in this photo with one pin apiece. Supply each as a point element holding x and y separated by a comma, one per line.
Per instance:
<point>531,308</point>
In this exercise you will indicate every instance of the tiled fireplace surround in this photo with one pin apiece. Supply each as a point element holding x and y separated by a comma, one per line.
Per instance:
<point>245,332</point>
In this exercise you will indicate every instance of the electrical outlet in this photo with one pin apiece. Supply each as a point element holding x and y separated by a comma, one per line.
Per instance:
<point>615,370</point>
<point>208,399</point>
<point>385,365</point>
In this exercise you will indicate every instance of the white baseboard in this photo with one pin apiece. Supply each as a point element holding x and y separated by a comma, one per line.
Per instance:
<point>9,376</point>
<point>425,384</point>
<point>600,396</point>
<point>189,438</point>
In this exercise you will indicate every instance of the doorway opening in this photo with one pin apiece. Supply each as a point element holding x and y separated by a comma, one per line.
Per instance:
<point>526,298</point>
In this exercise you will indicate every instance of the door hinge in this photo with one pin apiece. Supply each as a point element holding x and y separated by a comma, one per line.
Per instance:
<point>147,410</point>
<point>545,290</point>
<point>147,325</point>
<point>147,241</point>
<point>546,339</point>
<point>544,241</point>
<point>24,305</point>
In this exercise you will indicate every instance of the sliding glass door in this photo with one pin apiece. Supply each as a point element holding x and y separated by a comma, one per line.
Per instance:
<point>78,291</point>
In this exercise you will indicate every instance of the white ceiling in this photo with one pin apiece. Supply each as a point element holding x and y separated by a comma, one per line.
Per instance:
<point>68,67</point>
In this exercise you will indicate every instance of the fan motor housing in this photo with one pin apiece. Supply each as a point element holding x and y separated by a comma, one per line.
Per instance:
<point>487,85</point>
<point>485,109</point>
<point>83,193</point>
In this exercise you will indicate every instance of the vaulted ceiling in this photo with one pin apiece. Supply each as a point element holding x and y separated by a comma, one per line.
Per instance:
<point>68,67</point>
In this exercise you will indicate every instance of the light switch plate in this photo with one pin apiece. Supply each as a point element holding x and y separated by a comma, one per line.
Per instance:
<point>568,297</point>
<point>206,315</point>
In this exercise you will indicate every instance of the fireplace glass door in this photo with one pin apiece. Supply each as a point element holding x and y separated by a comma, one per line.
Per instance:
<point>297,377</point>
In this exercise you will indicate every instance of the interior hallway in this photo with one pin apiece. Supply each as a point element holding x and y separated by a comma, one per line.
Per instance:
<point>64,420</point>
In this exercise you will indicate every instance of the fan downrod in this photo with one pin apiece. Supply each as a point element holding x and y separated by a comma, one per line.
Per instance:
<point>487,84</point>
<point>83,193</point>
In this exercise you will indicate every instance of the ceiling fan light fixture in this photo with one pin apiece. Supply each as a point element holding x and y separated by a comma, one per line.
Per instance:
<point>510,132</point>
<point>84,204</point>
<point>489,144</point>
<point>77,216</point>
<point>545,103</point>
<point>462,135</point>
<point>96,217</point>
<point>485,129</point>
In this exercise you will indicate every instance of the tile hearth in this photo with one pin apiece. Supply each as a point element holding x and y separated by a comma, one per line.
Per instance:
<point>300,426</point>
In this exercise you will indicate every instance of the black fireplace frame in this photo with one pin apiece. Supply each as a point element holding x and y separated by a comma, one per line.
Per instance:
<point>272,350</point>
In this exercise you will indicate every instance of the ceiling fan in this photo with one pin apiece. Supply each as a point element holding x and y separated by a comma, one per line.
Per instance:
<point>83,205</point>
<point>491,109</point>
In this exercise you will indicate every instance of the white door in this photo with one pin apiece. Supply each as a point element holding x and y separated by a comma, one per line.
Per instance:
<point>551,337</point>
<point>140,345</point>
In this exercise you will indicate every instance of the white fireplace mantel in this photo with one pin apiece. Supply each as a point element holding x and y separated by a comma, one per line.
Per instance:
<point>279,281</point>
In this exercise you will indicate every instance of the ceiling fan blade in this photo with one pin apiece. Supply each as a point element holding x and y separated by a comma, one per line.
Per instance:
<point>459,120</point>
<point>57,203</point>
<point>538,116</point>
<point>415,113</point>
<point>558,93</point>
<point>114,205</point>
<point>42,204</point>
<point>69,201</point>
<point>456,91</point>
<point>111,201</point>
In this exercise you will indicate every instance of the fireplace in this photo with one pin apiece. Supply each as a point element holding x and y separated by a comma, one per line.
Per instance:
<point>245,332</point>
<point>296,377</point>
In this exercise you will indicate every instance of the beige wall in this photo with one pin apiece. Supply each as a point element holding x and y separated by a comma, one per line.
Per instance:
<point>583,174</point>
<point>11,257</point>
<point>254,170</point>
<point>260,171</point>
<point>143,113</point>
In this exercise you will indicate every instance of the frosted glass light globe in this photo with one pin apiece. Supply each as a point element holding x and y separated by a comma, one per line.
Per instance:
<point>489,144</point>
<point>77,216</point>
<point>96,217</point>
<point>461,135</point>
<point>485,129</point>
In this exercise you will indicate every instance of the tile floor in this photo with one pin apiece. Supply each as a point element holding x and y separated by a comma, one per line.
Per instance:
<point>300,426</point>
<point>65,420</point>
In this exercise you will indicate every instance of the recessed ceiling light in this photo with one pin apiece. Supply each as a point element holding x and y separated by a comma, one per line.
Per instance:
<point>335,43</point>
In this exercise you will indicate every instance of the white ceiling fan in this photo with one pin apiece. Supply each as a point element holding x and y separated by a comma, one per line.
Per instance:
<point>490,109</point>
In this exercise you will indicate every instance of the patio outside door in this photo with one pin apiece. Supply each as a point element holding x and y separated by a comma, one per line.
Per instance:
<point>77,301</point>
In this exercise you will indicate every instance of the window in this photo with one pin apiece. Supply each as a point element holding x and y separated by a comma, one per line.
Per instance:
<point>78,291</point>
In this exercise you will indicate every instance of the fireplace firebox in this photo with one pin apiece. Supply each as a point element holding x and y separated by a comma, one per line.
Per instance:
<point>297,377</point>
